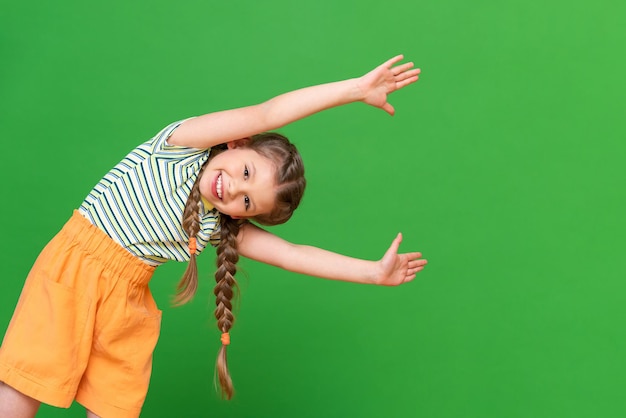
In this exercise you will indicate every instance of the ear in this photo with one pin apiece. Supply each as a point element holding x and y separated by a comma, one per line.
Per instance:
<point>237,143</point>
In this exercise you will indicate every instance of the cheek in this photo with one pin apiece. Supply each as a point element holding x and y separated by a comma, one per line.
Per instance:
<point>234,209</point>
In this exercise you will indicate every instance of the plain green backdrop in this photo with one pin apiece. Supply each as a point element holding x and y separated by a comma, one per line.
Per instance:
<point>504,165</point>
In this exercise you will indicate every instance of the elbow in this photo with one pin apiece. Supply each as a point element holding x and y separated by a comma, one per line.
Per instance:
<point>270,116</point>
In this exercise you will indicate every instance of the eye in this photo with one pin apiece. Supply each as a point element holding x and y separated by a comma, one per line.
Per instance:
<point>246,202</point>
<point>245,172</point>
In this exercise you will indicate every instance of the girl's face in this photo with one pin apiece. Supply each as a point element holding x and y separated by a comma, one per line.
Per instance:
<point>240,182</point>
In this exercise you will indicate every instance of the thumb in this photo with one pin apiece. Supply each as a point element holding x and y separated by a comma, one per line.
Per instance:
<point>387,107</point>
<point>395,244</point>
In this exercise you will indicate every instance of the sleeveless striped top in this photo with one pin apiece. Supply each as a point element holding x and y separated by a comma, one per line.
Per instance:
<point>140,202</point>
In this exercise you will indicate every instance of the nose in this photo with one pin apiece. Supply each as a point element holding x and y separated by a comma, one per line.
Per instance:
<point>235,188</point>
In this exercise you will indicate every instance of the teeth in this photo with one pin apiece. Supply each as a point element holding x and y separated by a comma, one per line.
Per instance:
<point>218,186</point>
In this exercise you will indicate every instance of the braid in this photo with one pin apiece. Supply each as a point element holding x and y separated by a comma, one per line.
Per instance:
<point>188,284</point>
<point>290,184</point>
<point>227,257</point>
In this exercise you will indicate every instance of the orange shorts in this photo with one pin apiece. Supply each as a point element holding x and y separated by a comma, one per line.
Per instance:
<point>85,325</point>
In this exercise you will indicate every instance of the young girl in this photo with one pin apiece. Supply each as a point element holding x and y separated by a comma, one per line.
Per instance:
<point>86,324</point>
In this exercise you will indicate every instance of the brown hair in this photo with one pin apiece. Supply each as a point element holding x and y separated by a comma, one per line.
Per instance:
<point>290,184</point>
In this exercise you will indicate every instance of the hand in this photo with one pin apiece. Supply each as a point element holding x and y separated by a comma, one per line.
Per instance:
<point>395,268</point>
<point>384,80</point>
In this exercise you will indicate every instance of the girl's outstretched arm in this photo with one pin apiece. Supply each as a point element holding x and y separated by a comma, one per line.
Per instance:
<point>230,125</point>
<point>391,270</point>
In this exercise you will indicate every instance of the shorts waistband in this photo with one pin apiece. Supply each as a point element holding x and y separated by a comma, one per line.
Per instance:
<point>98,244</point>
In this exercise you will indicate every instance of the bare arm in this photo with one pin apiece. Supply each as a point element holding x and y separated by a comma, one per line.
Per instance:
<point>391,270</point>
<point>229,125</point>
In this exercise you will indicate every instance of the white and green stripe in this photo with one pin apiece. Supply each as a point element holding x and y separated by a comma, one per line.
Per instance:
<point>140,202</point>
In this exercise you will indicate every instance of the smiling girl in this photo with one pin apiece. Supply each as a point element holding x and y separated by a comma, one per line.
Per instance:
<point>86,324</point>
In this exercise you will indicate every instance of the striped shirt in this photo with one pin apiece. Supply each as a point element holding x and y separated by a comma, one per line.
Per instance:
<point>140,202</point>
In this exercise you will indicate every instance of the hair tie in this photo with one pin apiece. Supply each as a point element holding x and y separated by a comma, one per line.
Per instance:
<point>225,338</point>
<point>192,245</point>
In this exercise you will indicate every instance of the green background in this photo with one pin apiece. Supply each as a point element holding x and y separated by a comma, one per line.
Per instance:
<point>504,165</point>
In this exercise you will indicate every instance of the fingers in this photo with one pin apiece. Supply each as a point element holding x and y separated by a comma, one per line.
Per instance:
<point>406,82</point>
<point>409,278</point>
<point>412,256</point>
<point>401,72</point>
<point>408,74</point>
<point>401,68</point>
<point>406,78</point>
<point>416,267</point>
<point>412,273</point>
<point>390,62</point>
<point>407,264</point>
<point>417,263</point>
<point>404,75</point>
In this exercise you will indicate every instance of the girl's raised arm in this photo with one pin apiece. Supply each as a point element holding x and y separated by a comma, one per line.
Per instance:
<point>391,270</point>
<point>229,125</point>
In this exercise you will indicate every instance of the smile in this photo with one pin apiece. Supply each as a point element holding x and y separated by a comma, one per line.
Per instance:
<point>218,186</point>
